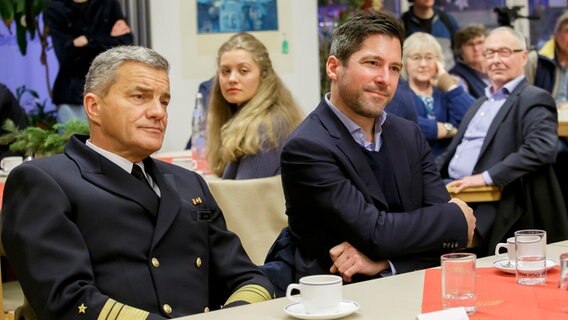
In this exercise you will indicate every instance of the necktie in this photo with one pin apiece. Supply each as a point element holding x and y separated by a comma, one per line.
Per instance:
<point>138,174</point>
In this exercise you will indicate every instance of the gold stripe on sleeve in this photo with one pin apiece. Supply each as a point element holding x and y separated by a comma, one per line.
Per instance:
<point>113,310</point>
<point>250,293</point>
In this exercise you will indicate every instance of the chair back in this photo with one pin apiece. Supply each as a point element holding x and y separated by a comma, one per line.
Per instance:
<point>12,299</point>
<point>254,209</point>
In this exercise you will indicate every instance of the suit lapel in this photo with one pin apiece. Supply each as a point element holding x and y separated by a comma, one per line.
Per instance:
<point>170,203</point>
<point>106,175</point>
<point>351,150</point>
<point>500,116</point>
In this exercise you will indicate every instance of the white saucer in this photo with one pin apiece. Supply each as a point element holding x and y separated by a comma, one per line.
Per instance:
<point>4,173</point>
<point>504,266</point>
<point>346,308</point>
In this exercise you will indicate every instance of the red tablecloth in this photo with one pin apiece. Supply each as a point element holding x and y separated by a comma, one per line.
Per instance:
<point>500,297</point>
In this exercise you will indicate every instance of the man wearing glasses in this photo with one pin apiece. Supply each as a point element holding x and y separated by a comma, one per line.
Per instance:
<point>508,139</point>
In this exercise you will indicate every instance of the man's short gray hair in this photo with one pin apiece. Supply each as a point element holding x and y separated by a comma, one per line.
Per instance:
<point>102,71</point>
<point>521,40</point>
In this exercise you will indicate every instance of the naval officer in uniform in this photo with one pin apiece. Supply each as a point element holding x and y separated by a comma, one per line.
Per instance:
<point>103,231</point>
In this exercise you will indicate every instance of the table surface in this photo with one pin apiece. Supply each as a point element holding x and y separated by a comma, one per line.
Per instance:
<point>397,297</point>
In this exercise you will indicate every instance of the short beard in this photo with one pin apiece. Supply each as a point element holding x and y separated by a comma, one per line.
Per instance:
<point>364,107</point>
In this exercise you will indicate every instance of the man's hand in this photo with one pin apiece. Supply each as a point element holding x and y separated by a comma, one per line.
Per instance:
<point>80,41</point>
<point>119,28</point>
<point>469,218</point>
<point>348,261</point>
<point>469,181</point>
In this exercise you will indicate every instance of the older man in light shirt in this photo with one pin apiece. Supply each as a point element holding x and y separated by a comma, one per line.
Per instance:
<point>508,139</point>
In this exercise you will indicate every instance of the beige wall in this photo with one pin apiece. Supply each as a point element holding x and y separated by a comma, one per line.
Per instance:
<point>192,57</point>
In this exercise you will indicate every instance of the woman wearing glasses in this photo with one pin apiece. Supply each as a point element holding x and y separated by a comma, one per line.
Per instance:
<point>440,101</point>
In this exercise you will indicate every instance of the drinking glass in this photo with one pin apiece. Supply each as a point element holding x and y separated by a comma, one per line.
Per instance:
<point>530,250</point>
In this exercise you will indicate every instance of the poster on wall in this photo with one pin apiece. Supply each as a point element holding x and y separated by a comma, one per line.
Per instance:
<point>222,16</point>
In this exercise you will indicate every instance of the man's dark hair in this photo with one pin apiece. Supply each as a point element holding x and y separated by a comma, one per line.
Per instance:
<point>348,37</point>
<point>464,35</point>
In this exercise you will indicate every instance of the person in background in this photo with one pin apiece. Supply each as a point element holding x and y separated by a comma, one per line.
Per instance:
<point>556,49</point>
<point>403,103</point>
<point>251,112</point>
<point>80,30</point>
<point>423,17</point>
<point>10,109</point>
<point>441,102</point>
<point>470,67</point>
<point>363,195</point>
<point>508,139</point>
<point>106,232</point>
<point>555,75</point>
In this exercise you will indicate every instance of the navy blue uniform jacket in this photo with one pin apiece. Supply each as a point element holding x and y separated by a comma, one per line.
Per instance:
<point>79,230</point>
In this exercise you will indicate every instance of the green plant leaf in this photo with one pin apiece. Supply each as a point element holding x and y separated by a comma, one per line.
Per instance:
<point>29,17</point>
<point>19,6</point>
<point>37,6</point>
<point>33,93</point>
<point>35,140</point>
<point>21,35</point>
<point>12,132</point>
<point>7,11</point>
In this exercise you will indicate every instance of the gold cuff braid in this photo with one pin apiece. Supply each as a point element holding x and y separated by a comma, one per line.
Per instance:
<point>113,310</point>
<point>250,293</point>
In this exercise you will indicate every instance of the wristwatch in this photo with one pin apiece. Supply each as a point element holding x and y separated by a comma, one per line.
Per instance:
<point>449,129</point>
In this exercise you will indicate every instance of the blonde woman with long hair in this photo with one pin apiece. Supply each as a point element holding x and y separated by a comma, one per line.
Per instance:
<point>251,112</point>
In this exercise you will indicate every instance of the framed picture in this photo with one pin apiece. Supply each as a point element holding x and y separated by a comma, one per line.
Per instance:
<point>214,16</point>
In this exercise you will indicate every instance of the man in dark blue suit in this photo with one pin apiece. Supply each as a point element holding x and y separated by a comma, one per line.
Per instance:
<point>363,194</point>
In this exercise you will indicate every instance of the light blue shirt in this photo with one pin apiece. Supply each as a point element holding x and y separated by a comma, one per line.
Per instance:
<point>467,152</point>
<point>357,132</point>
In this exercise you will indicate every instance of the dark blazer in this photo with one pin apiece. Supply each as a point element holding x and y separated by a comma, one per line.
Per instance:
<point>518,152</point>
<point>332,196</point>
<point>80,230</point>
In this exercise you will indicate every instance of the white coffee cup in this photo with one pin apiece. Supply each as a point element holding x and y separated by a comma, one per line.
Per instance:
<point>10,163</point>
<point>320,294</point>
<point>509,246</point>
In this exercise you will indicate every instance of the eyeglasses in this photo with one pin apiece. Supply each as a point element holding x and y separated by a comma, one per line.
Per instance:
<point>418,58</point>
<point>503,52</point>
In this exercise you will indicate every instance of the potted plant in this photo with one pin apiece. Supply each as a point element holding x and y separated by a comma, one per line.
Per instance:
<point>25,14</point>
<point>39,142</point>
